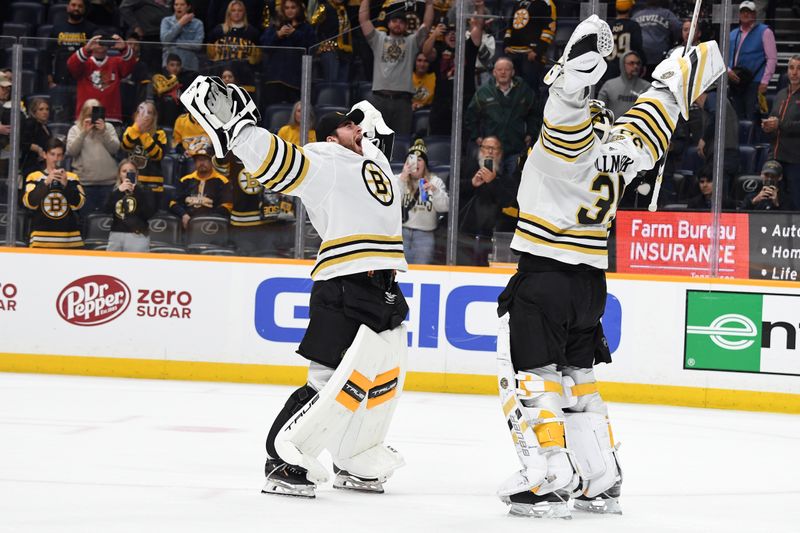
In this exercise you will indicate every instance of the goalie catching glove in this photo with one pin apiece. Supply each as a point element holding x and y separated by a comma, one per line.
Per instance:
<point>582,64</point>
<point>222,110</point>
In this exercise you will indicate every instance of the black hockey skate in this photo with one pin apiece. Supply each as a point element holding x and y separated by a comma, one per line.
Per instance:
<point>604,503</point>
<point>346,480</point>
<point>552,505</point>
<point>286,479</point>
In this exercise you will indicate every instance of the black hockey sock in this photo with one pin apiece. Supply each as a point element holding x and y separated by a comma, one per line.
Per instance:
<point>296,401</point>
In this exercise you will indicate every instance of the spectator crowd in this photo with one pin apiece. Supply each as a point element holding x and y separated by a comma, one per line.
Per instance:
<point>108,158</point>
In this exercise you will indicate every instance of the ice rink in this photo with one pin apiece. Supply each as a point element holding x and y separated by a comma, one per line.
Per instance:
<point>81,454</point>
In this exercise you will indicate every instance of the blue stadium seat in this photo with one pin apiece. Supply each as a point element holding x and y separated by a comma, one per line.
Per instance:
<point>763,153</point>
<point>28,13</point>
<point>747,159</point>
<point>363,91</point>
<point>16,29</point>
<point>165,230</point>
<point>745,132</point>
<point>43,31</point>
<point>59,129</point>
<point>57,13</point>
<point>400,149</point>
<point>62,103</point>
<point>276,116</point>
<point>692,161</point>
<point>332,94</point>
<point>168,164</point>
<point>421,122</point>
<point>438,151</point>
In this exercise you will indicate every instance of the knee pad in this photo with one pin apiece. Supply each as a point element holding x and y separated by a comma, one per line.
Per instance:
<point>532,406</point>
<point>588,432</point>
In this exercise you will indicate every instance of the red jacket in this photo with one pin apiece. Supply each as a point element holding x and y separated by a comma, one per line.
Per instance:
<point>101,79</point>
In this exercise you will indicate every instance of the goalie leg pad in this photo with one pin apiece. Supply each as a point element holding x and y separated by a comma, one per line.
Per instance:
<point>532,406</point>
<point>590,438</point>
<point>361,451</point>
<point>322,422</point>
<point>688,76</point>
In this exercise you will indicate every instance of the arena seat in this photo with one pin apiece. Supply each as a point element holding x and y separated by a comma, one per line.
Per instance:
<point>98,226</point>
<point>27,13</point>
<point>745,132</point>
<point>276,116</point>
<point>206,232</point>
<point>165,230</point>
<point>15,29</point>
<point>745,184</point>
<point>332,94</point>
<point>421,122</point>
<point>438,151</point>
<point>747,159</point>
<point>57,13</point>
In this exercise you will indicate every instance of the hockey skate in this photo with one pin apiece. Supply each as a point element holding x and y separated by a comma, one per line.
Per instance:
<point>222,110</point>
<point>604,503</point>
<point>347,481</point>
<point>551,505</point>
<point>286,479</point>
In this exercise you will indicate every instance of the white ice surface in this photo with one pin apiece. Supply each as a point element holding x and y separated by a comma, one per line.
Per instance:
<point>84,454</point>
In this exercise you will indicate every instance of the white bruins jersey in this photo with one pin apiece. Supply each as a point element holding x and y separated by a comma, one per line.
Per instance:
<point>353,201</point>
<point>571,182</point>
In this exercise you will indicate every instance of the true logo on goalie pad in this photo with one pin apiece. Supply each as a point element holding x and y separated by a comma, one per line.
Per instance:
<point>358,388</point>
<point>306,408</point>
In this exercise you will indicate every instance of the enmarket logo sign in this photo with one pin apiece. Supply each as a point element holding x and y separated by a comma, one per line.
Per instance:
<point>742,332</point>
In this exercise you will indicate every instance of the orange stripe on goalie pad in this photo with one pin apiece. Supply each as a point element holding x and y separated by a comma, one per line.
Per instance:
<point>550,433</point>
<point>347,400</point>
<point>354,390</point>
<point>584,388</point>
<point>384,388</point>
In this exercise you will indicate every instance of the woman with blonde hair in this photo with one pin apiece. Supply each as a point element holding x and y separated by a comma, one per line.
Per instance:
<point>92,144</point>
<point>234,44</point>
<point>145,144</point>
<point>131,205</point>
<point>291,131</point>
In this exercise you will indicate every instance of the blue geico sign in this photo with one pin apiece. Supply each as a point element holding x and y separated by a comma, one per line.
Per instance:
<point>274,294</point>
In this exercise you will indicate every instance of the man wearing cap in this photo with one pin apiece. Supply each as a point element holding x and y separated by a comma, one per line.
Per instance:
<point>751,62</point>
<point>773,195</point>
<point>394,56</point>
<point>353,200</point>
<point>204,192</point>
<point>627,37</point>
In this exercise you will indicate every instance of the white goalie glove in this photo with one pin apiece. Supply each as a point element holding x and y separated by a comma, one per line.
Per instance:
<point>582,63</point>
<point>375,129</point>
<point>222,110</point>
<point>688,76</point>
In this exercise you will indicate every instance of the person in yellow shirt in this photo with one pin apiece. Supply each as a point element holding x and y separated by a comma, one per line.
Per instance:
<point>424,83</point>
<point>185,131</point>
<point>291,131</point>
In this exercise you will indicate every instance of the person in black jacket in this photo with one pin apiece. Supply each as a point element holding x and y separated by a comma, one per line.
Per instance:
<point>485,192</point>
<point>35,135</point>
<point>132,206</point>
<point>773,195</point>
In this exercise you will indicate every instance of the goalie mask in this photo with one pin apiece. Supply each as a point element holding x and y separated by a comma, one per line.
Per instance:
<point>602,119</point>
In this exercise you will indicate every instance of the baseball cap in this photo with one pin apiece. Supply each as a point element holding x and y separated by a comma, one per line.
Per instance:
<point>624,5</point>
<point>747,4</point>
<point>396,14</point>
<point>772,167</point>
<point>330,122</point>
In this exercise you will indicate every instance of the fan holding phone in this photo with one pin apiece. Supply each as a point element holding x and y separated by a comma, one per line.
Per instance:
<point>92,144</point>
<point>131,207</point>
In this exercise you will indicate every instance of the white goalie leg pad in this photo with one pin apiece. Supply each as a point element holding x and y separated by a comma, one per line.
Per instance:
<point>688,76</point>
<point>361,450</point>
<point>532,407</point>
<point>588,432</point>
<point>324,419</point>
<point>582,63</point>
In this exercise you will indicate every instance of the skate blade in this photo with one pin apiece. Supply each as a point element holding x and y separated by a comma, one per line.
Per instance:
<point>541,510</point>
<point>285,489</point>
<point>359,485</point>
<point>599,506</point>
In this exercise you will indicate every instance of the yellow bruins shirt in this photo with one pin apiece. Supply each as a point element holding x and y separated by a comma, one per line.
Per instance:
<point>571,182</point>
<point>353,201</point>
<point>55,221</point>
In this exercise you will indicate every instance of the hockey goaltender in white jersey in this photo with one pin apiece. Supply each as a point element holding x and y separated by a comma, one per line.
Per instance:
<point>550,334</point>
<point>355,339</point>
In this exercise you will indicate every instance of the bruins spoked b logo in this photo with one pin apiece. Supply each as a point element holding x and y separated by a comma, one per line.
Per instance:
<point>55,205</point>
<point>378,184</point>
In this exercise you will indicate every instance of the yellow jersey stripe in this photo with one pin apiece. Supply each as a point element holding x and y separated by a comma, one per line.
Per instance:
<point>570,247</point>
<point>352,239</point>
<point>267,160</point>
<point>302,175</point>
<point>633,128</point>
<point>660,106</point>
<point>566,232</point>
<point>579,145</point>
<point>568,129</point>
<point>663,140</point>
<point>353,256</point>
